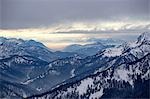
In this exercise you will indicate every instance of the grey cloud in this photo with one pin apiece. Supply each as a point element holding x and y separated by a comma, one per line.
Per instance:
<point>36,13</point>
<point>65,41</point>
<point>134,28</point>
<point>0,13</point>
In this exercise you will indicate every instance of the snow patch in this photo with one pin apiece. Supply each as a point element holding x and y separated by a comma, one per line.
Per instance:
<point>38,89</point>
<point>124,75</point>
<point>146,75</point>
<point>54,72</point>
<point>72,73</point>
<point>113,52</point>
<point>28,81</point>
<point>50,65</point>
<point>82,88</point>
<point>96,95</point>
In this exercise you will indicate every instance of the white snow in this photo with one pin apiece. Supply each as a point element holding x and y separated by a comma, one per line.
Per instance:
<point>146,75</point>
<point>123,74</point>
<point>133,44</point>
<point>70,89</point>
<point>19,60</point>
<point>99,70</point>
<point>82,88</point>
<point>138,71</point>
<point>54,72</point>
<point>96,95</point>
<point>50,65</point>
<point>136,51</point>
<point>112,52</point>
<point>38,89</point>
<point>28,81</point>
<point>72,73</point>
<point>144,37</point>
<point>24,95</point>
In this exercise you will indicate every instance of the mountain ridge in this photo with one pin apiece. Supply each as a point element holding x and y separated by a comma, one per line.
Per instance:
<point>106,66</point>
<point>67,84</point>
<point>59,92</point>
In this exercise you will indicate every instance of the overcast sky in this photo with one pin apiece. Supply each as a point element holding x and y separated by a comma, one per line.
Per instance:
<point>75,16</point>
<point>37,13</point>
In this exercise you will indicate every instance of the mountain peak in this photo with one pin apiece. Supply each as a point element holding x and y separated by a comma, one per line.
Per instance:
<point>34,43</point>
<point>20,42</point>
<point>145,37</point>
<point>11,40</point>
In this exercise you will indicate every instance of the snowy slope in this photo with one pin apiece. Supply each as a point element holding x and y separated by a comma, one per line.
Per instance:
<point>24,61</point>
<point>68,77</point>
<point>15,70</point>
<point>125,75</point>
<point>79,68</point>
<point>117,80</point>
<point>13,46</point>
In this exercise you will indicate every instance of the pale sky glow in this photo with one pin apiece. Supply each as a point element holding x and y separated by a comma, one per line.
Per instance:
<point>57,37</point>
<point>58,40</point>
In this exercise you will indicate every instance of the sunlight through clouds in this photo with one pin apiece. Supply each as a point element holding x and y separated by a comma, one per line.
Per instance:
<point>76,33</point>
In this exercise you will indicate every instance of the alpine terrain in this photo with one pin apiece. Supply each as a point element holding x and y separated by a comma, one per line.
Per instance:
<point>126,74</point>
<point>30,70</point>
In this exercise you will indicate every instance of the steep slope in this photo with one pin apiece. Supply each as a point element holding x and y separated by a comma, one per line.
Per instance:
<point>13,90</point>
<point>19,68</point>
<point>15,70</point>
<point>22,62</point>
<point>39,75</point>
<point>56,72</point>
<point>13,46</point>
<point>61,54</point>
<point>128,80</point>
<point>32,72</point>
<point>79,68</point>
<point>125,75</point>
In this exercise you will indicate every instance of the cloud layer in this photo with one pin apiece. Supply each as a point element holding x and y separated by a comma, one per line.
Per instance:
<point>42,13</point>
<point>58,23</point>
<point>78,33</point>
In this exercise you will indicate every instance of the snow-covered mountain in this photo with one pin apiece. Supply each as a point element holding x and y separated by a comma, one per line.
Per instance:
<point>129,80</point>
<point>88,49</point>
<point>120,72</point>
<point>22,62</point>
<point>77,77</point>
<point>13,46</point>
<point>15,70</point>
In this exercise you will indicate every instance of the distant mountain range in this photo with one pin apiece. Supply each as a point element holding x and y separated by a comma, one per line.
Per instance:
<point>113,72</point>
<point>28,63</point>
<point>13,46</point>
<point>93,48</point>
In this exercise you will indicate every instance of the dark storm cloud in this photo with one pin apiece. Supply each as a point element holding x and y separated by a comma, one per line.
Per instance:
<point>36,13</point>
